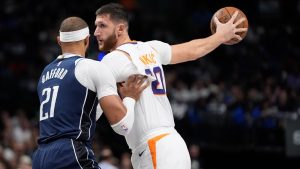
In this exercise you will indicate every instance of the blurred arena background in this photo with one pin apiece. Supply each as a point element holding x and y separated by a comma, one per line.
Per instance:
<point>238,107</point>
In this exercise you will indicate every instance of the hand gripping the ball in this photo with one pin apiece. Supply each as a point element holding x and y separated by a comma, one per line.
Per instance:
<point>231,24</point>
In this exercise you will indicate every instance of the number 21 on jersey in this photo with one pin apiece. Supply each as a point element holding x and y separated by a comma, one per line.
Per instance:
<point>158,86</point>
<point>50,93</point>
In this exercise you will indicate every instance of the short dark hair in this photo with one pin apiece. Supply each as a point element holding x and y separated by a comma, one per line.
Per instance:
<point>72,24</point>
<point>116,11</point>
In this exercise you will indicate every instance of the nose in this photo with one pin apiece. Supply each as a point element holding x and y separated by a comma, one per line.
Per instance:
<point>96,33</point>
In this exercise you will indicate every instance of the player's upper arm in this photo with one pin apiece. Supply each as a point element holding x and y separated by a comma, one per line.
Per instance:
<point>96,77</point>
<point>163,49</point>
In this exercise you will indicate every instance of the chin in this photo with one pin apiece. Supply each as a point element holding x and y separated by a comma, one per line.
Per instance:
<point>101,48</point>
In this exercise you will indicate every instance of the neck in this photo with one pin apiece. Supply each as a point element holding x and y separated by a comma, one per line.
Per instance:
<point>74,49</point>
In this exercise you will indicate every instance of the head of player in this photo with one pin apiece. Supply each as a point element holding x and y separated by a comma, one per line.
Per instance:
<point>74,36</point>
<point>112,25</point>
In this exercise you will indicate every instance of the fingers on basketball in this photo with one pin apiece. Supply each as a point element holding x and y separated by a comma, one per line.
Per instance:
<point>235,15</point>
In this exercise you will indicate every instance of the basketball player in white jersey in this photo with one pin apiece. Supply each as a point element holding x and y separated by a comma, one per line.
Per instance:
<point>154,142</point>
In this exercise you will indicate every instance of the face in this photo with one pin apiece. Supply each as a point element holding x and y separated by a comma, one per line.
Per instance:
<point>105,33</point>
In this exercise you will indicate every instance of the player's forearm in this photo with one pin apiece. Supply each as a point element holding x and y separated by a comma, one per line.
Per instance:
<point>124,125</point>
<point>195,49</point>
<point>120,114</point>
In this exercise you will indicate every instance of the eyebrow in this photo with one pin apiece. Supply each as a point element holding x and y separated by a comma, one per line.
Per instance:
<point>98,22</point>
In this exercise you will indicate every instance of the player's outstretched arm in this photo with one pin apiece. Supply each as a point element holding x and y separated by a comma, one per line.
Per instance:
<point>120,113</point>
<point>197,48</point>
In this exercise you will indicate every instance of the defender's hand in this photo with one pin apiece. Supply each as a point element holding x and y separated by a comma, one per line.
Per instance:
<point>134,86</point>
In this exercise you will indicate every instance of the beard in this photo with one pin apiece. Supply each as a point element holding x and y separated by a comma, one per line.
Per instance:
<point>109,43</point>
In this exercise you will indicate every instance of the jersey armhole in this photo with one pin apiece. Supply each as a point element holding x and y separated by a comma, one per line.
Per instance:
<point>126,54</point>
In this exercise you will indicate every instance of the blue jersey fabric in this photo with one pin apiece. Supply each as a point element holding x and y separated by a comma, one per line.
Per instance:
<point>67,109</point>
<point>64,154</point>
<point>67,119</point>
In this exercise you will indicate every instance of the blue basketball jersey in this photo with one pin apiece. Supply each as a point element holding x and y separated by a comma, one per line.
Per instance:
<point>67,108</point>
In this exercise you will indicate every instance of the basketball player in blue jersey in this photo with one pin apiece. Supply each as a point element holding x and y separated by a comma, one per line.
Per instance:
<point>69,90</point>
<point>154,142</point>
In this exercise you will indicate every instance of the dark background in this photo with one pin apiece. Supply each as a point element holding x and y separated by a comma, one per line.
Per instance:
<point>234,103</point>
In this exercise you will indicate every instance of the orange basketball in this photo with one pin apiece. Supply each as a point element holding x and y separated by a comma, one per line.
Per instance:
<point>224,15</point>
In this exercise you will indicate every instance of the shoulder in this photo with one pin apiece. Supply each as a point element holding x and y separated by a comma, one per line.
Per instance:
<point>116,53</point>
<point>156,43</point>
<point>90,65</point>
<point>87,62</point>
<point>116,56</point>
<point>163,49</point>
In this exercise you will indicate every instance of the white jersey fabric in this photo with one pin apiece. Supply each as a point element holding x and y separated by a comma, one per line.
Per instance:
<point>153,113</point>
<point>94,76</point>
<point>98,78</point>
<point>153,109</point>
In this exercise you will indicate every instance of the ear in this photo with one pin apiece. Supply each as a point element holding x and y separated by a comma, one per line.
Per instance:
<point>87,41</point>
<point>58,40</point>
<point>120,28</point>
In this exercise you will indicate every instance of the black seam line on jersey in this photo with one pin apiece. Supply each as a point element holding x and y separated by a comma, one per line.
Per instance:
<point>87,157</point>
<point>90,117</point>
<point>82,111</point>
<point>86,120</point>
<point>75,153</point>
<point>81,153</point>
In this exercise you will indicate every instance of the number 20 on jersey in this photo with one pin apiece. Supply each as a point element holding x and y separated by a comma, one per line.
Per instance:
<point>158,86</point>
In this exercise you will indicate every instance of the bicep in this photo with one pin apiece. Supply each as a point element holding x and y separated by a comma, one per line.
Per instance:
<point>109,99</point>
<point>113,108</point>
<point>96,77</point>
<point>104,81</point>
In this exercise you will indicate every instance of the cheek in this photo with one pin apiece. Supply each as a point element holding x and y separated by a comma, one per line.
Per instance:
<point>101,32</point>
<point>108,33</point>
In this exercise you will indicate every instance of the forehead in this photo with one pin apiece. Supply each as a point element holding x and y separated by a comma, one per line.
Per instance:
<point>104,18</point>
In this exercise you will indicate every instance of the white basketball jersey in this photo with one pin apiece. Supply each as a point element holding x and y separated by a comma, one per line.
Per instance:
<point>153,110</point>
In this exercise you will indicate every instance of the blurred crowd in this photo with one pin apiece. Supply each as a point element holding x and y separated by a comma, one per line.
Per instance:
<point>237,96</point>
